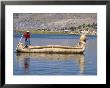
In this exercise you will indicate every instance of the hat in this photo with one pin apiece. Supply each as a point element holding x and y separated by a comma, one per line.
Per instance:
<point>27,31</point>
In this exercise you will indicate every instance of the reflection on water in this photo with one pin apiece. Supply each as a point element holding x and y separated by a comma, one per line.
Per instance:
<point>25,58</point>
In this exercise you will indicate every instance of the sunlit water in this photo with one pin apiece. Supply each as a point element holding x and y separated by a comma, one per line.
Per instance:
<point>56,64</point>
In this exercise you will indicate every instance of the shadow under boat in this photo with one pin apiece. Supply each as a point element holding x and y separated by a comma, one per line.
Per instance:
<point>79,58</point>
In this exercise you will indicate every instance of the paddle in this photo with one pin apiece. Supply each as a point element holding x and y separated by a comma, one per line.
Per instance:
<point>19,41</point>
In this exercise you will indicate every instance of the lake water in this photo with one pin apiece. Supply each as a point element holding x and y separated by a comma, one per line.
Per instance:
<point>56,64</point>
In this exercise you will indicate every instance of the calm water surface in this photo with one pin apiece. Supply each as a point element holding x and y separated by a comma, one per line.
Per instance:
<point>56,64</point>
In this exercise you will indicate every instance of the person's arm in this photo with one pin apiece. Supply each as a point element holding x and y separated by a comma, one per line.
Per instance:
<point>29,35</point>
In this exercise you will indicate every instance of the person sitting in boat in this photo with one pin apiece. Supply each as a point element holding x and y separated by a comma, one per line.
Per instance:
<point>26,35</point>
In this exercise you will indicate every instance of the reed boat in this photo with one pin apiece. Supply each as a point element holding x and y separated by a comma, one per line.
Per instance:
<point>78,49</point>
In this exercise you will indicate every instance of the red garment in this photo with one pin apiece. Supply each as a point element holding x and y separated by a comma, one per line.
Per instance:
<point>26,65</point>
<point>26,35</point>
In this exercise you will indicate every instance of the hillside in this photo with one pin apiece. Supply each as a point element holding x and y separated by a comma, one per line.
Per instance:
<point>52,21</point>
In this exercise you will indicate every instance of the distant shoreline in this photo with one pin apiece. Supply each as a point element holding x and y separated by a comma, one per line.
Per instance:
<point>48,32</point>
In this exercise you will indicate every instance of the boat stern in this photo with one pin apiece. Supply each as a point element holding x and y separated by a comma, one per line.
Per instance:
<point>19,47</point>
